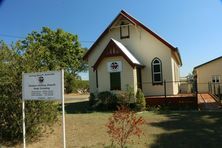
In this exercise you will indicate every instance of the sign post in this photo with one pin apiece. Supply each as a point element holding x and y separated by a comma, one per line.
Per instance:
<point>23,113</point>
<point>46,86</point>
<point>23,122</point>
<point>63,111</point>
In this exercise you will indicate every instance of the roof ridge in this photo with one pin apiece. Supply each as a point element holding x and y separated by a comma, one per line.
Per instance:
<point>208,62</point>
<point>131,18</point>
<point>129,54</point>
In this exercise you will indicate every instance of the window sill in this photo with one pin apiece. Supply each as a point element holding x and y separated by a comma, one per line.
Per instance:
<point>160,83</point>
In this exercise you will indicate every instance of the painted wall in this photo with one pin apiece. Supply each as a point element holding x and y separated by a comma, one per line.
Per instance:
<point>145,48</point>
<point>176,74</point>
<point>127,74</point>
<point>205,73</point>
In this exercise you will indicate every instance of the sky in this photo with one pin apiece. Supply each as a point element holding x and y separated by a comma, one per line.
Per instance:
<point>194,26</point>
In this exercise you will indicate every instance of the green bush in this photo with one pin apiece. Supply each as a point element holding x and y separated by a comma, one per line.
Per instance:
<point>92,99</point>
<point>106,101</point>
<point>39,114</point>
<point>129,93</point>
<point>140,100</point>
<point>122,98</point>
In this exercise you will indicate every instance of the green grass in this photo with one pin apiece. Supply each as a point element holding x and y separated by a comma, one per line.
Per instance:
<point>180,129</point>
<point>184,129</point>
<point>172,129</point>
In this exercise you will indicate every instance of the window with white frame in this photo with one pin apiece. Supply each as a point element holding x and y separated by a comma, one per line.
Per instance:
<point>157,71</point>
<point>216,78</point>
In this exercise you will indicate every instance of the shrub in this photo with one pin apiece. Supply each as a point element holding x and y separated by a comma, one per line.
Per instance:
<point>39,114</point>
<point>124,124</point>
<point>92,99</point>
<point>140,100</point>
<point>107,101</point>
<point>129,93</point>
<point>125,97</point>
<point>122,99</point>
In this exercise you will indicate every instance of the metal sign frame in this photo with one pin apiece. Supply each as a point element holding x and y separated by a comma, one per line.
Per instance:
<point>63,108</point>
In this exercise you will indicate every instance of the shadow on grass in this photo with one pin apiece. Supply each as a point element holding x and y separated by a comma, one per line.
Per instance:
<point>189,130</point>
<point>81,108</point>
<point>77,107</point>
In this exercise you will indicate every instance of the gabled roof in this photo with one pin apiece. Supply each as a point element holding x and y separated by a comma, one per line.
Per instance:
<point>208,62</point>
<point>133,21</point>
<point>115,48</point>
<point>126,52</point>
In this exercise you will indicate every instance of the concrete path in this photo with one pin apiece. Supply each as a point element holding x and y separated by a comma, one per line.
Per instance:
<point>207,102</point>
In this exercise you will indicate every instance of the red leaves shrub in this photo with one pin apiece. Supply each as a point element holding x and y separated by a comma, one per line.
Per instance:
<point>124,124</point>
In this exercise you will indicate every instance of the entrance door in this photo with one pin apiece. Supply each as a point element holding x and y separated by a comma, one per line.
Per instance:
<point>115,81</point>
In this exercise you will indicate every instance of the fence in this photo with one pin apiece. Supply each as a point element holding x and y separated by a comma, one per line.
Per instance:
<point>169,88</point>
<point>175,94</point>
<point>216,90</point>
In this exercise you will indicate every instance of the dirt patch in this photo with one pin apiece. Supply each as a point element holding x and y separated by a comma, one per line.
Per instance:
<point>75,98</point>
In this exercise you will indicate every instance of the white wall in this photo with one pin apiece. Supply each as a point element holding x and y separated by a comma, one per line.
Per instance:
<point>145,48</point>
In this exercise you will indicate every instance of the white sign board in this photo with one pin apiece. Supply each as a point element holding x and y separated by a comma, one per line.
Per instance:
<point>42,86</point>
<point>115,66</point>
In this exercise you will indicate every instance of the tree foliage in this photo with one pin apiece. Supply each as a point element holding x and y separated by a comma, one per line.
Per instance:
<point>53,50</point>
<point>74,84</point>
<point>40,51</point>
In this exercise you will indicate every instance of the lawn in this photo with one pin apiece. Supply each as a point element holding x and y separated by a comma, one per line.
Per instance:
<point>162,129</point>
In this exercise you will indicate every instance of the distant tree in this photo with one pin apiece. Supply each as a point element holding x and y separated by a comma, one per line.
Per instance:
<point>190,77</point>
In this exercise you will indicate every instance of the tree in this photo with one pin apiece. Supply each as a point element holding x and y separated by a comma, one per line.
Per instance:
<point>140,100</point>
<point>40,51</point>
<point>53,50</point>
<point>190,77</point>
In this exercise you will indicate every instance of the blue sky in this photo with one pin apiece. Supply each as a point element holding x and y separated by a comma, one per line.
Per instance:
<point>194,26</point>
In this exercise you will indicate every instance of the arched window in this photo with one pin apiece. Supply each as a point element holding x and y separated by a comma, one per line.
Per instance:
<point>157,71</point>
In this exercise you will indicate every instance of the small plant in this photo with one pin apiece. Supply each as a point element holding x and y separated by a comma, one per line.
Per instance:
<point>130,93</point>
<point>122,99</point>
<point>126,97</point>
<point>124,124</point>
<point>140,100</point>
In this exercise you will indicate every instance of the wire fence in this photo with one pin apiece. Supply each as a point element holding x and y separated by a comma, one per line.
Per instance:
<point>170,88</point>
<point>173,94</point>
